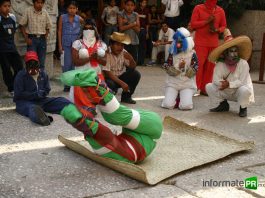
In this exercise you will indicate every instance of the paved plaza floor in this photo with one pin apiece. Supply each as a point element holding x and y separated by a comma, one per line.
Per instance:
<point>33,163</point>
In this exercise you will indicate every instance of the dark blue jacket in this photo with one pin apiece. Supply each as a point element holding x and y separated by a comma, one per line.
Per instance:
<point>7,32</point>
<point>26,88</point>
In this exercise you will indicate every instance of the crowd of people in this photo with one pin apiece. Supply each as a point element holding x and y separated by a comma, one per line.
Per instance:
<point>187,54</point>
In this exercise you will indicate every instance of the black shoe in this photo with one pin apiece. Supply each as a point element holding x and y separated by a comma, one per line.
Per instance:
<point>222,107</point>
<point>243,112</point>
<point>128,100</point>
<point>41,117</point>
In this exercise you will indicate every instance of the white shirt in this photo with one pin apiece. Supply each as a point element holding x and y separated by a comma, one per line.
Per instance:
<point>111,14</point>
<point>240,77</point>
<point>181,81</point>
<point>78,45</point>
<point>168,36</point>
<point>172,7</point>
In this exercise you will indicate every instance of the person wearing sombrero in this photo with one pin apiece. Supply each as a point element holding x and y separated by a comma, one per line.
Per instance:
<point>231,79</point>
<point>120,69</point>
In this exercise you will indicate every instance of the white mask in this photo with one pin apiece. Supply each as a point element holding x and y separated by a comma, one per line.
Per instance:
<point>89,37</point>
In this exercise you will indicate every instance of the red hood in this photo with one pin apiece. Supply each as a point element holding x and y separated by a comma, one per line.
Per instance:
<point>210,4</point>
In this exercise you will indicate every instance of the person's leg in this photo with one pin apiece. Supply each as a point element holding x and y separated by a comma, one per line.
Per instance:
<point>170,98</point>
<point>243,96</point>
<point>217,97</point>
<point>54,104</point>
<point>107,33</point>
<point>68,63</point>
<point>41,51</point>
<point>16,62</point>
<point>208,71</point>
<point>166,51</point>
<point>33,46</point>
<point>202,54</point>
<point>6,71</point>
<point>33,111</point>
<point>132,78</point>
<point>186,99</point>
<point>142,49</point>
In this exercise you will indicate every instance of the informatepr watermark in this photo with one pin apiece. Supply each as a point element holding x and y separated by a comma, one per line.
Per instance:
<point>249,183</point>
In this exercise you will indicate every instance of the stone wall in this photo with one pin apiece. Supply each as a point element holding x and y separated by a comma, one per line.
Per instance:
<point>252,24</point>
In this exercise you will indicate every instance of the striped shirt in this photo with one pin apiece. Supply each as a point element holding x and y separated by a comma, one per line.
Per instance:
<point>116,64</point>
<point>36,22</point>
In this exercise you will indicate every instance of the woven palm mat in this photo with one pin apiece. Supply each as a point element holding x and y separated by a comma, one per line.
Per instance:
<point>180,148</point>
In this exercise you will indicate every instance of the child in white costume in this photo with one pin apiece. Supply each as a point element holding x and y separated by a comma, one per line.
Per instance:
<point>181,68</point>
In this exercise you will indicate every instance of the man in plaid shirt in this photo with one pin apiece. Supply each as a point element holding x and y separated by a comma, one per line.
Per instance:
<point>35,25</point>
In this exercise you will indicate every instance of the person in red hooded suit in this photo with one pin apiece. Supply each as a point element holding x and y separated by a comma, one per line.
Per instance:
<point>208,20</point>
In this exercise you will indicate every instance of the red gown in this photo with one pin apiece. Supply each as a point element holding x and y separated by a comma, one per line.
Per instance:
<point>205,41</point>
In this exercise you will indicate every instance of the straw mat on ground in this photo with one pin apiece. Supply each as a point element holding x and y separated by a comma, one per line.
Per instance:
<point>180,148</point>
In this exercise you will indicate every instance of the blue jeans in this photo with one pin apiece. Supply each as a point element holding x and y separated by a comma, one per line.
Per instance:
<point>39,45</point>
<point>50,105</point>
<point>109,29</point>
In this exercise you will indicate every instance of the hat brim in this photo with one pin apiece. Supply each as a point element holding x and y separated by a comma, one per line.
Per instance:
<point>126,40</point>
<point>242,42</point>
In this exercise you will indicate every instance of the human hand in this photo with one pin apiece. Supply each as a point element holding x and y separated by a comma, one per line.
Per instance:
<point>125,87</point>
<point>29,41</point>
<point>210,19</point>
<point>224,84</point>
<point>60,49</point>
<point>182,64</point>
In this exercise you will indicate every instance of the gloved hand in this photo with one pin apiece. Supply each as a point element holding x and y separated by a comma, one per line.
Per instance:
<point>41,93</point>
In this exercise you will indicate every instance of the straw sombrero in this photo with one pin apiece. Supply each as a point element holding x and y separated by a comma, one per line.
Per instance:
<point>121,38</point>
<point>242,42</point>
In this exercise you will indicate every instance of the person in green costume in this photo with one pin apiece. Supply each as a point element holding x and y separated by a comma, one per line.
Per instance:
<point>140,128</point>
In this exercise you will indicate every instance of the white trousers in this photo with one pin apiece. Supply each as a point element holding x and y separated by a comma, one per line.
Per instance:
<point>240,95</point>
<point>185,98</point>
<point>158,49</point>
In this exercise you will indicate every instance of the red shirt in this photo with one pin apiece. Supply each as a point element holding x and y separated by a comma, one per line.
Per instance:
<point>203,37</point>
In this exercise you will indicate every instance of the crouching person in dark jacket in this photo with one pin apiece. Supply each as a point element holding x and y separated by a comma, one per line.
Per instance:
<point>31,88</point>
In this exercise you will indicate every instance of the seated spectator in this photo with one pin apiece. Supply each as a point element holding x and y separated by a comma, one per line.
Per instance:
<point>31,88</point>
<point>116,74</point>
<point>163,43</point>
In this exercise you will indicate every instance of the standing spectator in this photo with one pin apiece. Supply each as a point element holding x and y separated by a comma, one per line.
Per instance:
<point>9,56</point>
<point>154,26</point>
<point>35,26</point>
<point>117,76</point>
<point>129,23</point>
<point>68,31</point>
<point>208,20</point>
<point>61,10</point>
<point>109,18</point>
<point>163,43</point>
<point>143,12</point>
<point>31,90</point>
<point>172,12</point>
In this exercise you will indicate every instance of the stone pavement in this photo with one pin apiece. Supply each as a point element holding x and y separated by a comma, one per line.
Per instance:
<point>33,163</point>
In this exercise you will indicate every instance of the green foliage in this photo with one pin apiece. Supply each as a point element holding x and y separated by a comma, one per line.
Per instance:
<point>235,8</point>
